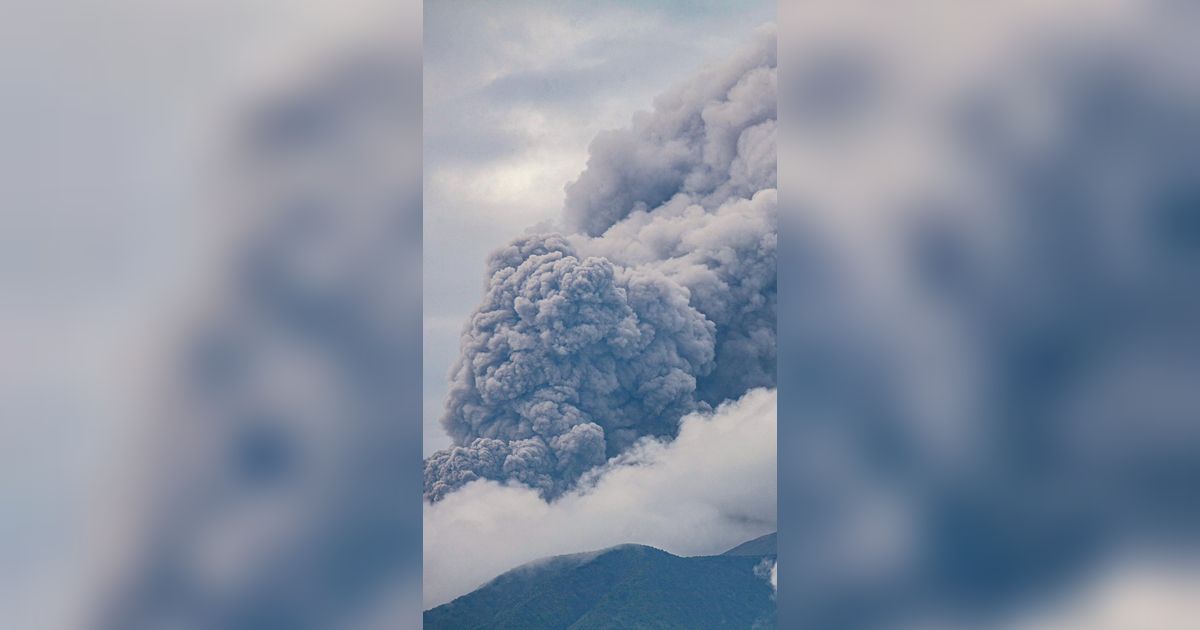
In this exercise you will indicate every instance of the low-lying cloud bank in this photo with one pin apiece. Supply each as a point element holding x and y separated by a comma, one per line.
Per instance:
<point>710,488</point>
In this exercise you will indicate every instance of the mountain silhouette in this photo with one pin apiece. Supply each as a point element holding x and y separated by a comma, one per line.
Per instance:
<point>628,586</point>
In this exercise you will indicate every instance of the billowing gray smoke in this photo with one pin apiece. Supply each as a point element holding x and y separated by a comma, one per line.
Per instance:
<point>568,361</point>
<point>709,140</point>
<point>658,302</point>
<point>1002,366</point>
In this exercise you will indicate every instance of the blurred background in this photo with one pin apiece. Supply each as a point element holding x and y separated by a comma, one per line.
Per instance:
<point>989,315</point>
<point>209,314</point>
<point>210,320</point>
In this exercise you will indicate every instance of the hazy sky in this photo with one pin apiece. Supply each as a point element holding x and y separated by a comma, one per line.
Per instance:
<point>514,93</point>
<point>110,111</point>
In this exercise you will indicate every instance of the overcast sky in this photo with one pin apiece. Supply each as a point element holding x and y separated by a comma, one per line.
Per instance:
<point>514,93</point>
<point>109,113</point>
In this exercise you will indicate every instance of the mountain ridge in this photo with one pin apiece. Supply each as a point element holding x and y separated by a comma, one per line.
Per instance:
<point>762,546</point>
<point>626,586</point>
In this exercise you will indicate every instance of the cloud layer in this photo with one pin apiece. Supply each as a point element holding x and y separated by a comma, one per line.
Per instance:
<point>710,488</point>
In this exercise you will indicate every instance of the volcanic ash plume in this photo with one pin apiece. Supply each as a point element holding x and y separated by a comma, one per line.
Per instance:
<point>657,302</point>
<point>568,361</point>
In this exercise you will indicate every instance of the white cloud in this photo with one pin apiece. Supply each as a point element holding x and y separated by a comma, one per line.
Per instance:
<point>709,489</point>
<point>767,571</point>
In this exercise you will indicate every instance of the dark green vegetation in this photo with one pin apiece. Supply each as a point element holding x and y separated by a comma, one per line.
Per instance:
<point>630,586</point>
